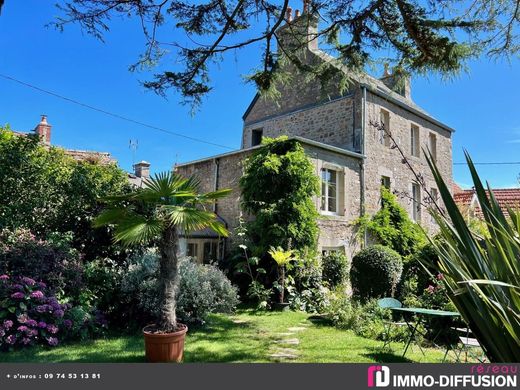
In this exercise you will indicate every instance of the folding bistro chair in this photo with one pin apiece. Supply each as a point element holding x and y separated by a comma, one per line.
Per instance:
<point>389,303</point>
<point>468,345</point>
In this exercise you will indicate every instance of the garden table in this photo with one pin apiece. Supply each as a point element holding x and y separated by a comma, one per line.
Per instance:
<point>421,314</point>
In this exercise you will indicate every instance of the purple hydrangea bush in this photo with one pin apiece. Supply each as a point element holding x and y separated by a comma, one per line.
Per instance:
<point>29,314</point>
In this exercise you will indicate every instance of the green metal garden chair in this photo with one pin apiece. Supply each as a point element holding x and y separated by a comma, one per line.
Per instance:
<point>389,303</point>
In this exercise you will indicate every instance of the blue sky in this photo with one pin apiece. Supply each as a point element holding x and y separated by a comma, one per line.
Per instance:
<point>483,105</point>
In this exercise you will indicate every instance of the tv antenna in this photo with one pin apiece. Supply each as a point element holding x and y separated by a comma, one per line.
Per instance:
<point>133,144</point>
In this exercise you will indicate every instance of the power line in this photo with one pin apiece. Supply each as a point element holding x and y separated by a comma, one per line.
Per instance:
<point>169,131</point>
<point>113,114</point>
<point>490,163</point>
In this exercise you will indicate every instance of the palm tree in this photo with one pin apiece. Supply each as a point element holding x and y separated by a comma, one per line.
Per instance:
<point>167,205</point>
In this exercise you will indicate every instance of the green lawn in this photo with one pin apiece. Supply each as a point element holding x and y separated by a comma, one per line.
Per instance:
<point>247,336</point>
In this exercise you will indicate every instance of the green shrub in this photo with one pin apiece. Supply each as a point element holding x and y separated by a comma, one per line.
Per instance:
<point>307,291</point>
<point>375,272</point>
<point>335,268</point>
<point>203,289</point>
<point>45,190</point>
<point>364,319</point>
<point>103,278</point>
<point>392,227</point>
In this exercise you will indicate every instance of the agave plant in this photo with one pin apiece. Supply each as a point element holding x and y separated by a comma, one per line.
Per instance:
<point>167,205</point>
<point>282,259</point>
<point>482,273</point>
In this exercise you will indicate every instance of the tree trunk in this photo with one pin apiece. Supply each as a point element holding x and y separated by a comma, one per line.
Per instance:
<point>168,279</point>
<point>282,293</point>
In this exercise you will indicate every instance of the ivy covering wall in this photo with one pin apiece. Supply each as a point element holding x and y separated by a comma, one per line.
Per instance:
<point>278,187</point>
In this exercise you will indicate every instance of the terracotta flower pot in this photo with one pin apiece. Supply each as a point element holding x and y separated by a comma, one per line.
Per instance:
<point>164,347</point>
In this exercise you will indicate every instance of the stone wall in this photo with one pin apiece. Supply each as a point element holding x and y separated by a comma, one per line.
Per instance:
<point>331,123</point>
<point>335,230</point>
<point>384,161</point>
<point>230,171</point>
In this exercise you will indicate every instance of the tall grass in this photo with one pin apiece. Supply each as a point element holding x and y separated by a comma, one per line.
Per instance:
<point>482,274</point>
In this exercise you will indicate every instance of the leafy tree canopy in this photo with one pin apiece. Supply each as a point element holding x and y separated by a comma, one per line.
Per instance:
<point>277,188</point>
<point>46,191</point>
<point>414,36</point>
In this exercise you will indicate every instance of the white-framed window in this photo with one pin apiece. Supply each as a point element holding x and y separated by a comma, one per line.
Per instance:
<point>416,202</point>
<point>432,145</point>
<point>414,141</point>
<point>384,119</point>
<point>329,191</point>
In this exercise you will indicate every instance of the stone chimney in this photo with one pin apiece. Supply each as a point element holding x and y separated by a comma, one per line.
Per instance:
<point>142,169</point>
<point>300,31</point>
<point>400,85</point>
<point>43,129</point>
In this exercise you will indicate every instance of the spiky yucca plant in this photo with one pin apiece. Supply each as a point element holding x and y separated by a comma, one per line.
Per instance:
<point>167,205</point>
<point>482,274</point>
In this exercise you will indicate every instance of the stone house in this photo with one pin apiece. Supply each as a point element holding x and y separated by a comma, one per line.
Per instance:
<point>141,170</point>
<point>44,130</point>
<point>343,137</point>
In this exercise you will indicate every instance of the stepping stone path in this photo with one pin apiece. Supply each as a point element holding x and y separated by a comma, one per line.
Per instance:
<point>281,353</point>
<point>288,341</point>
<point>285,353</point>
<point>296,328</point>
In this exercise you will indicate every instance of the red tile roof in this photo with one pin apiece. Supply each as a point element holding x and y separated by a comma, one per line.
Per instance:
<point>463,196</point>
<point>506,198</point>
<point>456,188</point>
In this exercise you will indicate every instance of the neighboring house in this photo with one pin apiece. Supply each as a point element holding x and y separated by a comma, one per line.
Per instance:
<point>137,178</point>
<point>43,130</point>
<point>351,156</point>
<point>469,205</point>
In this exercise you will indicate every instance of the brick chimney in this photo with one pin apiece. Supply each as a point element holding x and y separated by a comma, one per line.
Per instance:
<point>300,31</point>
<point>402,86</point>
<point>142,169</point>
<point>43,129</point>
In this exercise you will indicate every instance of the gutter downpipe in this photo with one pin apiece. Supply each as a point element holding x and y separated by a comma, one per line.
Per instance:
<point>362,173</point>
<point>215,182</point>
<point>220,250</point>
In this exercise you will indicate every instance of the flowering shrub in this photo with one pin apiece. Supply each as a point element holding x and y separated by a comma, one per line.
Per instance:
<point>29,315</point>
<point>52,261</point>
<point>435,295</point>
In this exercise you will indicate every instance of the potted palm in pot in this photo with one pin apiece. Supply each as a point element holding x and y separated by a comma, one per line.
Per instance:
<point>282,259</point>
<point>156,214</point>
